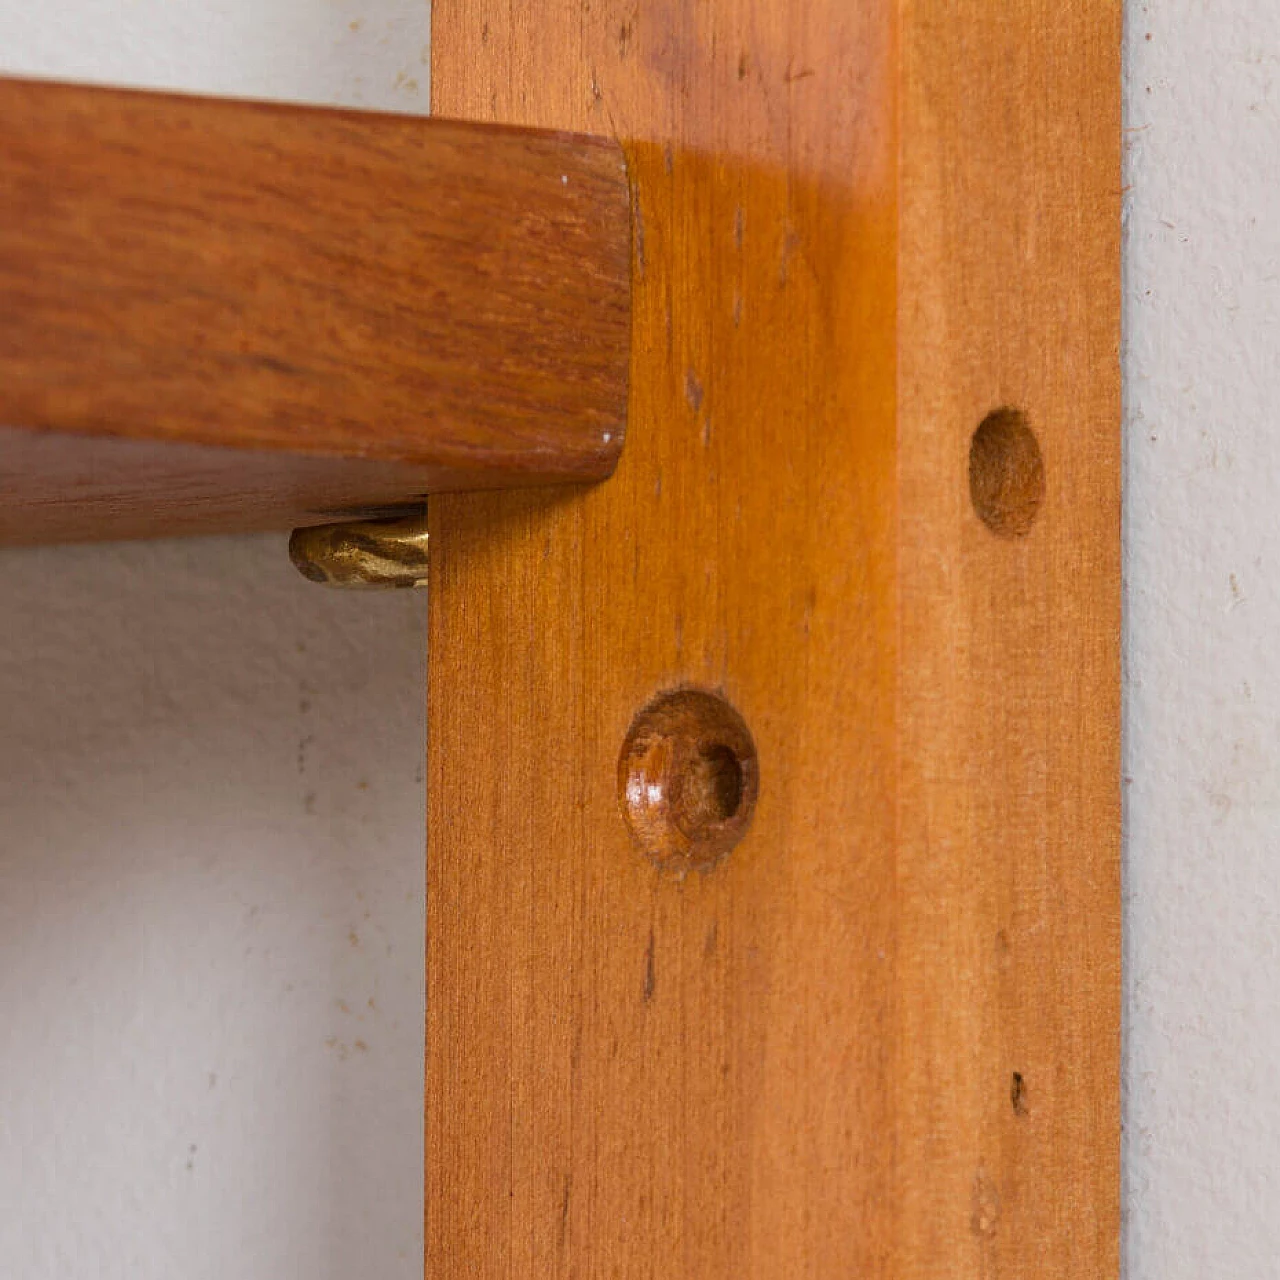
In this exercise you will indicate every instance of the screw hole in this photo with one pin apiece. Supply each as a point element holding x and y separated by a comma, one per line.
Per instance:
<point>1006,474</point>
<point>711,789</point>
<point>687,779</point>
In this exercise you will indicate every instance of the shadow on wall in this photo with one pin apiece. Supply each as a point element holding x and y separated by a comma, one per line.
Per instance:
<point>211,917</point>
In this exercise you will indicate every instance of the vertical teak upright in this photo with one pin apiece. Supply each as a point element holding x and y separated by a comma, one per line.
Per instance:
<point>870,499</point>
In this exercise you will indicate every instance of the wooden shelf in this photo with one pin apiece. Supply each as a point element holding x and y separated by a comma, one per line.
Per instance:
<point>225,315</point>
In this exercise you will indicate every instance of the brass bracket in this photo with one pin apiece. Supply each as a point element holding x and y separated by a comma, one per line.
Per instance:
<point>367,554</point>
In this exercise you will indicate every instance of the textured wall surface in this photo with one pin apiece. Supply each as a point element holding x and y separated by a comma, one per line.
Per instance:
<point>1202,370</point>
<point>358,53</point>
<point>211,820</point>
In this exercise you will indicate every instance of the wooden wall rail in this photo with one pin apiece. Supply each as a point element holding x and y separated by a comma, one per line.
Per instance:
<point>871,499</point>
<point>440,305</point>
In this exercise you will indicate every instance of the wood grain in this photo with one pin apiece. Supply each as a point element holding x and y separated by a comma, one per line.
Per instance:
<point>880,1038</point>
<point>1007,1070</point>
<point>444,297</point>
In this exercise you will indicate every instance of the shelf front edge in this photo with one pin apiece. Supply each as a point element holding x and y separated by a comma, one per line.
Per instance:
<point>284,312</point>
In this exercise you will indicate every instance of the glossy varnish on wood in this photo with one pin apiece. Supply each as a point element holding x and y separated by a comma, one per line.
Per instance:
<point>450,300</point>
<point>880,1037</point>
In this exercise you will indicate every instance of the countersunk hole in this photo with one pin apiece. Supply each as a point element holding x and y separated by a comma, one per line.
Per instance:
<point>688,779</point>
<point>1006,473</point>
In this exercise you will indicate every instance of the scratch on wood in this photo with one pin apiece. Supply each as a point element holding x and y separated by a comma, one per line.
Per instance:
<point>692,390</point>
<point>1018,1094</point>
<point>638,233</point>
<point>564,1211</point>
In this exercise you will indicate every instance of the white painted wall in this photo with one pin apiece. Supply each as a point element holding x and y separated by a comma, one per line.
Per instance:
<point>211,819</point>
<point>1202,365</point>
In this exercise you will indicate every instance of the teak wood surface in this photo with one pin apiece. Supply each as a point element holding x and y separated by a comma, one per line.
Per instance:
<point>881,1037</point>
<point>290,312</point>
